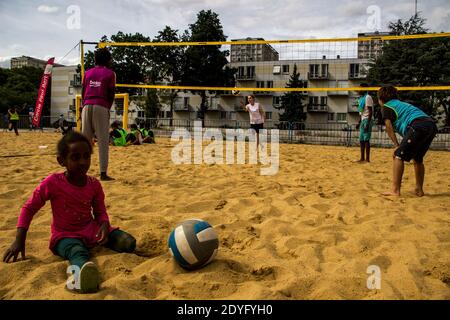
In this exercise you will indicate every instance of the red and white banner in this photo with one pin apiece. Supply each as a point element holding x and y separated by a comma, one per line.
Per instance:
<point>41,93</point>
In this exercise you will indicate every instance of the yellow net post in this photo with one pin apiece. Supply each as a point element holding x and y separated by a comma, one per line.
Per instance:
<point>124,96</point>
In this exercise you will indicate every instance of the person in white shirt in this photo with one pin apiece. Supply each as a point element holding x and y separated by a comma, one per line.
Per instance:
<point>257,115</point>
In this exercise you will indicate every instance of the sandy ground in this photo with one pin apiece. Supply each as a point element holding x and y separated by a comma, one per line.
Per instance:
<point>309,232</point>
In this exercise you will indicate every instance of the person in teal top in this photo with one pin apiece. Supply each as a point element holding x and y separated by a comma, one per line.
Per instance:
<point>418,131</point>
<point>365,109</point>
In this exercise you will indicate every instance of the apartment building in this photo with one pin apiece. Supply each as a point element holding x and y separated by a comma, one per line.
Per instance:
<point>66,84</point>
<point>371,49</point>
<point>252,52</point>
<point>25,61</point>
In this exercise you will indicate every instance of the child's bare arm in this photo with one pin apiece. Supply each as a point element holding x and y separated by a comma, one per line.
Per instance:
<point>18,246</point>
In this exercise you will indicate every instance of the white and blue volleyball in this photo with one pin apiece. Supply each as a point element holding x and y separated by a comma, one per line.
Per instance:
<point>193,243</point>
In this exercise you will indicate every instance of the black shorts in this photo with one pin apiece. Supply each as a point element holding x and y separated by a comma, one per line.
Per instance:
<point>257,126</point>
<point>417,140</point>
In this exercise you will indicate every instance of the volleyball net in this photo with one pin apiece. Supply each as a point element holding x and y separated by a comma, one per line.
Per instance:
<point>324,65</point>
<point>328,76</point>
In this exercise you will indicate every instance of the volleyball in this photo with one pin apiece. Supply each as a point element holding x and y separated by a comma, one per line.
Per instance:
<point>236,92</point>
<point>193,243</point>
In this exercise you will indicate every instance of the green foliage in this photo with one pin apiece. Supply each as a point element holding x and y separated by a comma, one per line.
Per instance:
<point>152,105</point>
<point>292,102</point>
<point>19,87</point>
<point>206,65</point>
<point>418,62</point>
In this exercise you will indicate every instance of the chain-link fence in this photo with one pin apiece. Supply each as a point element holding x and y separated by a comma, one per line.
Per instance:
<point>341,134</point>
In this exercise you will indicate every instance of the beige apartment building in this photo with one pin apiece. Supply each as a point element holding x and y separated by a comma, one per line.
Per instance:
<point>25,61</point>
<point>66,85</point>
<point>321,107</point>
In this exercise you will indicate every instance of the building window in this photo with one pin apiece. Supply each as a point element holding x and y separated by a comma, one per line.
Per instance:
<point>342,117</point>
<point>260,84</point>
<point>250,72</point>
<point>141,114</point>
<point>276,101</point>
<point>186,101</point>
<point>241,72</point>
<point>313,101</point>
<point>269,84</point>
<point>285,68</point>
<point>331,117</point>
<point>324,70</point>
<point>169,114</point>
<point>314,70</point>
<point>323,101</point>
<point>269,115</point>
<point>354,69</point>
<point>232,115</point>
<point>276,69</point>
<point>223,114</point>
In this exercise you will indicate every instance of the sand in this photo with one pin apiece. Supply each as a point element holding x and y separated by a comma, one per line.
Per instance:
<point>309,232</point>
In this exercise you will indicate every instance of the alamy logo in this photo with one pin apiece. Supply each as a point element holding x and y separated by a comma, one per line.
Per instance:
<point>374,279</point>
<point>213,153</point>
<point>374,20</point>
<point>74,20</point>
<point>73,282</point>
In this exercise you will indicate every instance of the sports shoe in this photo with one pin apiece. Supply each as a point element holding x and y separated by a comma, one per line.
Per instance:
<point>89,278</point>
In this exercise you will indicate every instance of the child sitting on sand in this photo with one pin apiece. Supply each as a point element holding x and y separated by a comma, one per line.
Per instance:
<point>418,131</point>
<point>147,134</point>
<point>135,136</point>
<point>117,135</point>
<point>80,220</point>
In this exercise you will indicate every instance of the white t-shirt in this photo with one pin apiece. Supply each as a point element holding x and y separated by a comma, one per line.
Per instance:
<point>368,103</point>
<point>255,115</point>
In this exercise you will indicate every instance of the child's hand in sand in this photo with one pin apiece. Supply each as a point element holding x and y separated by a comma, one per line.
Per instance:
<point>17,247</point>
<point>102,234</point>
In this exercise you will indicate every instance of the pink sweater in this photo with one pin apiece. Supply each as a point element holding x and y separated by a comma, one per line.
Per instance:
<point>78,212</point>
<point>99,86</point>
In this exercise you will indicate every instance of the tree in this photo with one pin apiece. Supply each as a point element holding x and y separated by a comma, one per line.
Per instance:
<point>418,62</point>
<point>206,65</point>
<point>166,61</point>
<point>130,63</point>
<point>291,102</point>
<point>152,105</point>
<point>20,86</point>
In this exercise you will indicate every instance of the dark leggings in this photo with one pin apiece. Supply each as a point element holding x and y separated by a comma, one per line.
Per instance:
<point>14,126</point>
<point>78,254</point>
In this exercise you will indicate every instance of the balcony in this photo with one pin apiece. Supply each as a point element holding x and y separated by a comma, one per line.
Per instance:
<point>245,77</point>
<point>338,93</point>
<point>182,107</point>
<point>214,105</point>
<point>238,108</point>
<point>75,83</point>
<point>352,108</point>
<point>318,76</point>
<point>263,93</point>
<point>356,75</point>
<point>317,108</point>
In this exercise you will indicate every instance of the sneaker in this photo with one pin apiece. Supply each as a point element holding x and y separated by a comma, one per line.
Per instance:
<point>89,278</point>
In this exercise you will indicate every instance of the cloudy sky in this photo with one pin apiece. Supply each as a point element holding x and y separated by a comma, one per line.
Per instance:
<point>44,28</point>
